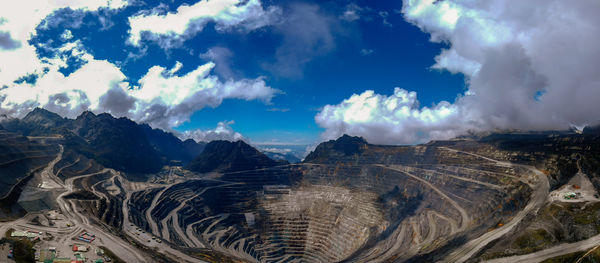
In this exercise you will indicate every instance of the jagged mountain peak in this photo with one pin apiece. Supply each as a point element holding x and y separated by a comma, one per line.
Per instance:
<point>43,117</point>
<point>86,114</point>
<point>346,145</point>
<point>228,156</point>
<point>345,139</point>
<point>118,143</point>
<point>41,111</point>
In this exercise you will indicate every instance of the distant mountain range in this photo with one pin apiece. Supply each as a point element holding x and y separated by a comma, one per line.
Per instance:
<point>293,153</point>
<point>125,145</point>
<point>117,143</point>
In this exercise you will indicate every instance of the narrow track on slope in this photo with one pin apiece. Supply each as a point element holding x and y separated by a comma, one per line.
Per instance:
<point>174,217</point>
<point>493,186</point>
<point>115,244</point>
<point>465,219</point>
<point>540,189</point>
<point>555,251</point>
<point>151,223</point>
<point>129,230</point>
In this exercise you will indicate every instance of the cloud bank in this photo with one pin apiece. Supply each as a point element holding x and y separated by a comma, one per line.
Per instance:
<point>163,98</point>
<point>530,65</point>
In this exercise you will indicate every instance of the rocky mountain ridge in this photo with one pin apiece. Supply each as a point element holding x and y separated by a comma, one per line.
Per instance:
<point>226,156</point>
<point>117,143</point>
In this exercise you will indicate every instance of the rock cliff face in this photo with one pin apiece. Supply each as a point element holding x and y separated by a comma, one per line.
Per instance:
<point>117,143</point>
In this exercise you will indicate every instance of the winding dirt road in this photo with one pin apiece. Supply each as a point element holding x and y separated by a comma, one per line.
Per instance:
<point>130,230</point>
<point>560,249</point>
<point>555,251</point>
<point>540,193</point>
<point>465,218</point>
<point>118,246</point>
<point>81,222</point>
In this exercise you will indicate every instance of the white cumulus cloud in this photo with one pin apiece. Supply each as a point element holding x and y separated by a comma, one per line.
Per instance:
<point>166,100</point>
<point>191,19</point>
<point>529,65</point>
<point>384,119</point>
<point>19,20</point>
<point>223,131</point>
<point>162,98</point>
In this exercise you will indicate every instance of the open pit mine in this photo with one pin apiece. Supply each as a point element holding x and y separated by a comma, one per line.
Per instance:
<point>100,189</point>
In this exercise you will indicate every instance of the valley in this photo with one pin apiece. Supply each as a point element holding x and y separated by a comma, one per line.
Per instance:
<point>497,198</point>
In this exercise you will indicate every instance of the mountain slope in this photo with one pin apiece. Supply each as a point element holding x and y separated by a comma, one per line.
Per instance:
<point>37,122</point>
<point>350,201</point>
<point>19,158</point>
<point>117,143</point>
<point>330,151</point>
<point>171,147</point>
<point>226,156</point>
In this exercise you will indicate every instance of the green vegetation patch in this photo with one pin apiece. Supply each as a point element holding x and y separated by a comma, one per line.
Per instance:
<point>593,257</point>
<point>23,251</point>
<point>573,212</point>
<point>533,241</point>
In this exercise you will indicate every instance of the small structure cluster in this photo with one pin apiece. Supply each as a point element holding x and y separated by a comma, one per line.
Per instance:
<point>80,248</point>
<point>572,195</point>
<point>86,237</point>
<point>51,255</point>
<point>31,235</point>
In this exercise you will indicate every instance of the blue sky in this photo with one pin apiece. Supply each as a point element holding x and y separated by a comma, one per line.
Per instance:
<point>366,53</point>
<point>298,72</point>
<point>401,57</point>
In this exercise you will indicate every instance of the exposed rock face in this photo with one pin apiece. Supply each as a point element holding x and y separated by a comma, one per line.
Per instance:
<point>19,159</point>
<point>226,156</point>
<point>319,223</point>
<point>117,143</point>
<point>331,151</point>
<point>43,118</point>
<point>555,152</point>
